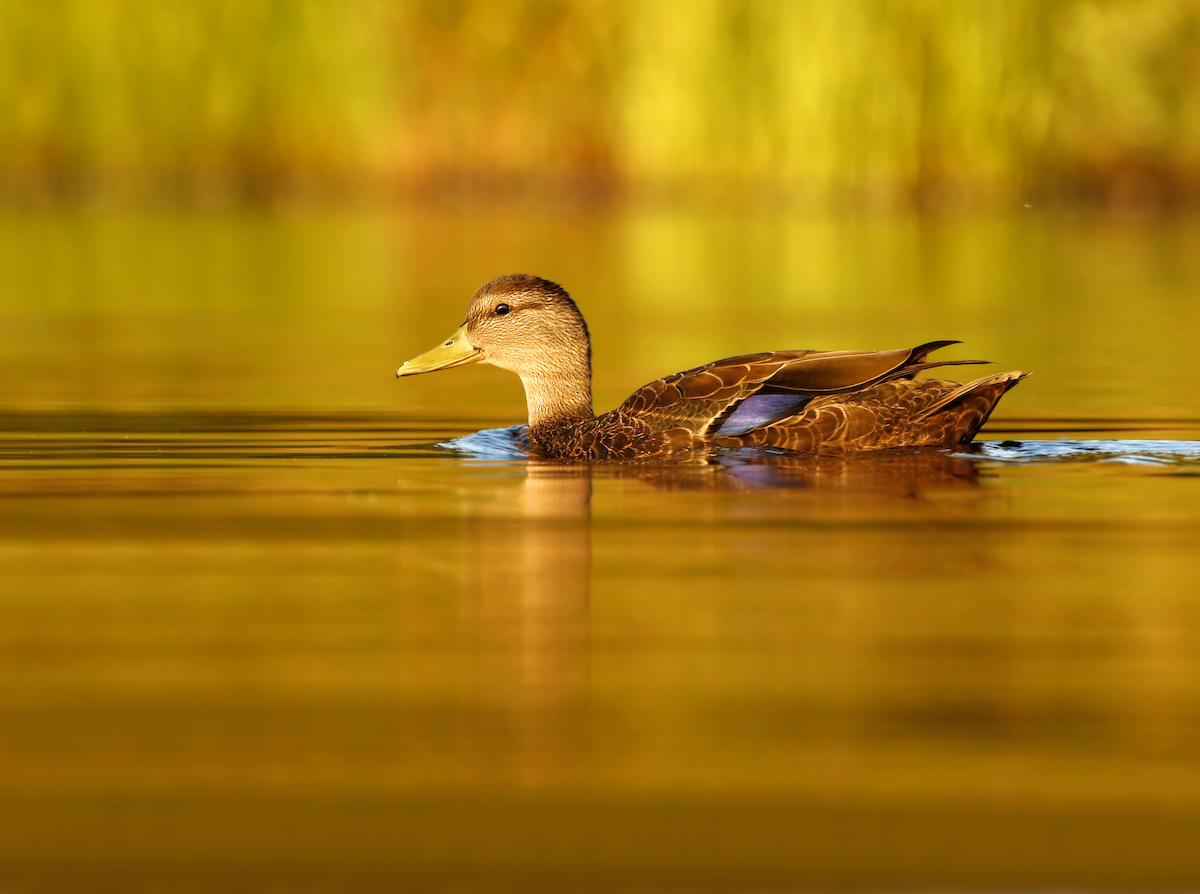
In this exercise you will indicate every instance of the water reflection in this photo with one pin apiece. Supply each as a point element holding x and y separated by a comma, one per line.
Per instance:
<point>529,573</point>
<point>529,559</point>
<point>255,622</point>
<point>329,625</point>
<point>908,474</point>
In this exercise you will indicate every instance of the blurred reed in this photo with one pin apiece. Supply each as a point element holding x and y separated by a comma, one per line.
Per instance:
<point>922,102</point>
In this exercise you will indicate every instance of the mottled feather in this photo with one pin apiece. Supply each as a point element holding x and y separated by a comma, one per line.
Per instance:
<point>804,401</point>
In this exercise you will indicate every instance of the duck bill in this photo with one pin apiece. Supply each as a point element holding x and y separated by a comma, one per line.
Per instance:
<point>456,351</point>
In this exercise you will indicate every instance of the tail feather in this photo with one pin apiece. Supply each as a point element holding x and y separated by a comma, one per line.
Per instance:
<point>983,394</point>
<point>910,370</point>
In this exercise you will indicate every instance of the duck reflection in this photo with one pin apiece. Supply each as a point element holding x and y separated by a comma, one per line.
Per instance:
<point>917,473</point>
<point>530,582</point>
<point>529,576</point>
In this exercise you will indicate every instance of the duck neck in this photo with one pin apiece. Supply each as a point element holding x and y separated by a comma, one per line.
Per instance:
<point>559,398</point>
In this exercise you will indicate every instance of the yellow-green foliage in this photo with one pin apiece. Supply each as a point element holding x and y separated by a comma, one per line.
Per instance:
<point>214,92</point>
<point>803,100</point>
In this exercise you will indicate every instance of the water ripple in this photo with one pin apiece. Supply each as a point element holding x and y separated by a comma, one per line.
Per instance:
<point>1131,451</point>
<point>501,444</point>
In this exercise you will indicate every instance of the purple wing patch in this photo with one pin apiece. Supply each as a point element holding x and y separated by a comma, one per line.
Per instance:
<point>761,409</point>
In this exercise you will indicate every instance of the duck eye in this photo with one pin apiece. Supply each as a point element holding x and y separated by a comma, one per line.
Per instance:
<point>502,309</point>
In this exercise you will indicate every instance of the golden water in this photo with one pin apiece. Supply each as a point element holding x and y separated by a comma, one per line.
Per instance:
<point>258,631</point>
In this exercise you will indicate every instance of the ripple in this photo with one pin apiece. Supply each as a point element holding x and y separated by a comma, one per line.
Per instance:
<point>499,444</point>
<point>509,444</point>
<point>1130,451</point>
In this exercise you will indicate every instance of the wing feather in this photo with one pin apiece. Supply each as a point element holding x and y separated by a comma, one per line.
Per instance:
<point>703,399</point>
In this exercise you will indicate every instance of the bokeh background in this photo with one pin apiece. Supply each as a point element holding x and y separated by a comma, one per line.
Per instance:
<point>274,203</point>
<point>259,633</point>
<point>863,103</point>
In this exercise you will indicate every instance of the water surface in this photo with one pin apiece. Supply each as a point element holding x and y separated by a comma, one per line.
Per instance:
<point>271,620</point>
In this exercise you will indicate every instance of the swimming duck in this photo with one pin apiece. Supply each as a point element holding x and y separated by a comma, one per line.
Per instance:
<point>803,401</point>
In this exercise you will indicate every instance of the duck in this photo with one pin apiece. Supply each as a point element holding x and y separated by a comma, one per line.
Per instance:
<point>798,401</point>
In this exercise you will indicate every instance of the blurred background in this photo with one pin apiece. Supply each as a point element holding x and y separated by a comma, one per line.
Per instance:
<point>860,103</point>
<point>273,203</point>
<point>258,633</point>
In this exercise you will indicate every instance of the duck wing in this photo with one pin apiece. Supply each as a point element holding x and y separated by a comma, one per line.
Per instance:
<point>738,394</point>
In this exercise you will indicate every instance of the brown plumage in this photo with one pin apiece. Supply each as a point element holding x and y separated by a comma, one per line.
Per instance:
<point>803,401</point>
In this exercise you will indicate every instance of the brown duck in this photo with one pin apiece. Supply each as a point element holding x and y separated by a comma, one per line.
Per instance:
<point>803,401</point>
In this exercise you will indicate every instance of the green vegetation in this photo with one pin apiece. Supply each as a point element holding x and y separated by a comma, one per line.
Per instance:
<point>805,102</point>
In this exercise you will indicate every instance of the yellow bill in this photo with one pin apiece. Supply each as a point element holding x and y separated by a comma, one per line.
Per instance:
<point>457,351</point>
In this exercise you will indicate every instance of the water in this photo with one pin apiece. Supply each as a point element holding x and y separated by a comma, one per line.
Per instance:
<point>271,620</point>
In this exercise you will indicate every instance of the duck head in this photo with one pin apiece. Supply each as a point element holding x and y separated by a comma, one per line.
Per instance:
<point>530,326</point>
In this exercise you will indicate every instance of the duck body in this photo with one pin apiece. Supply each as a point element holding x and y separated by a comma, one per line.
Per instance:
<point>814,402</point>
